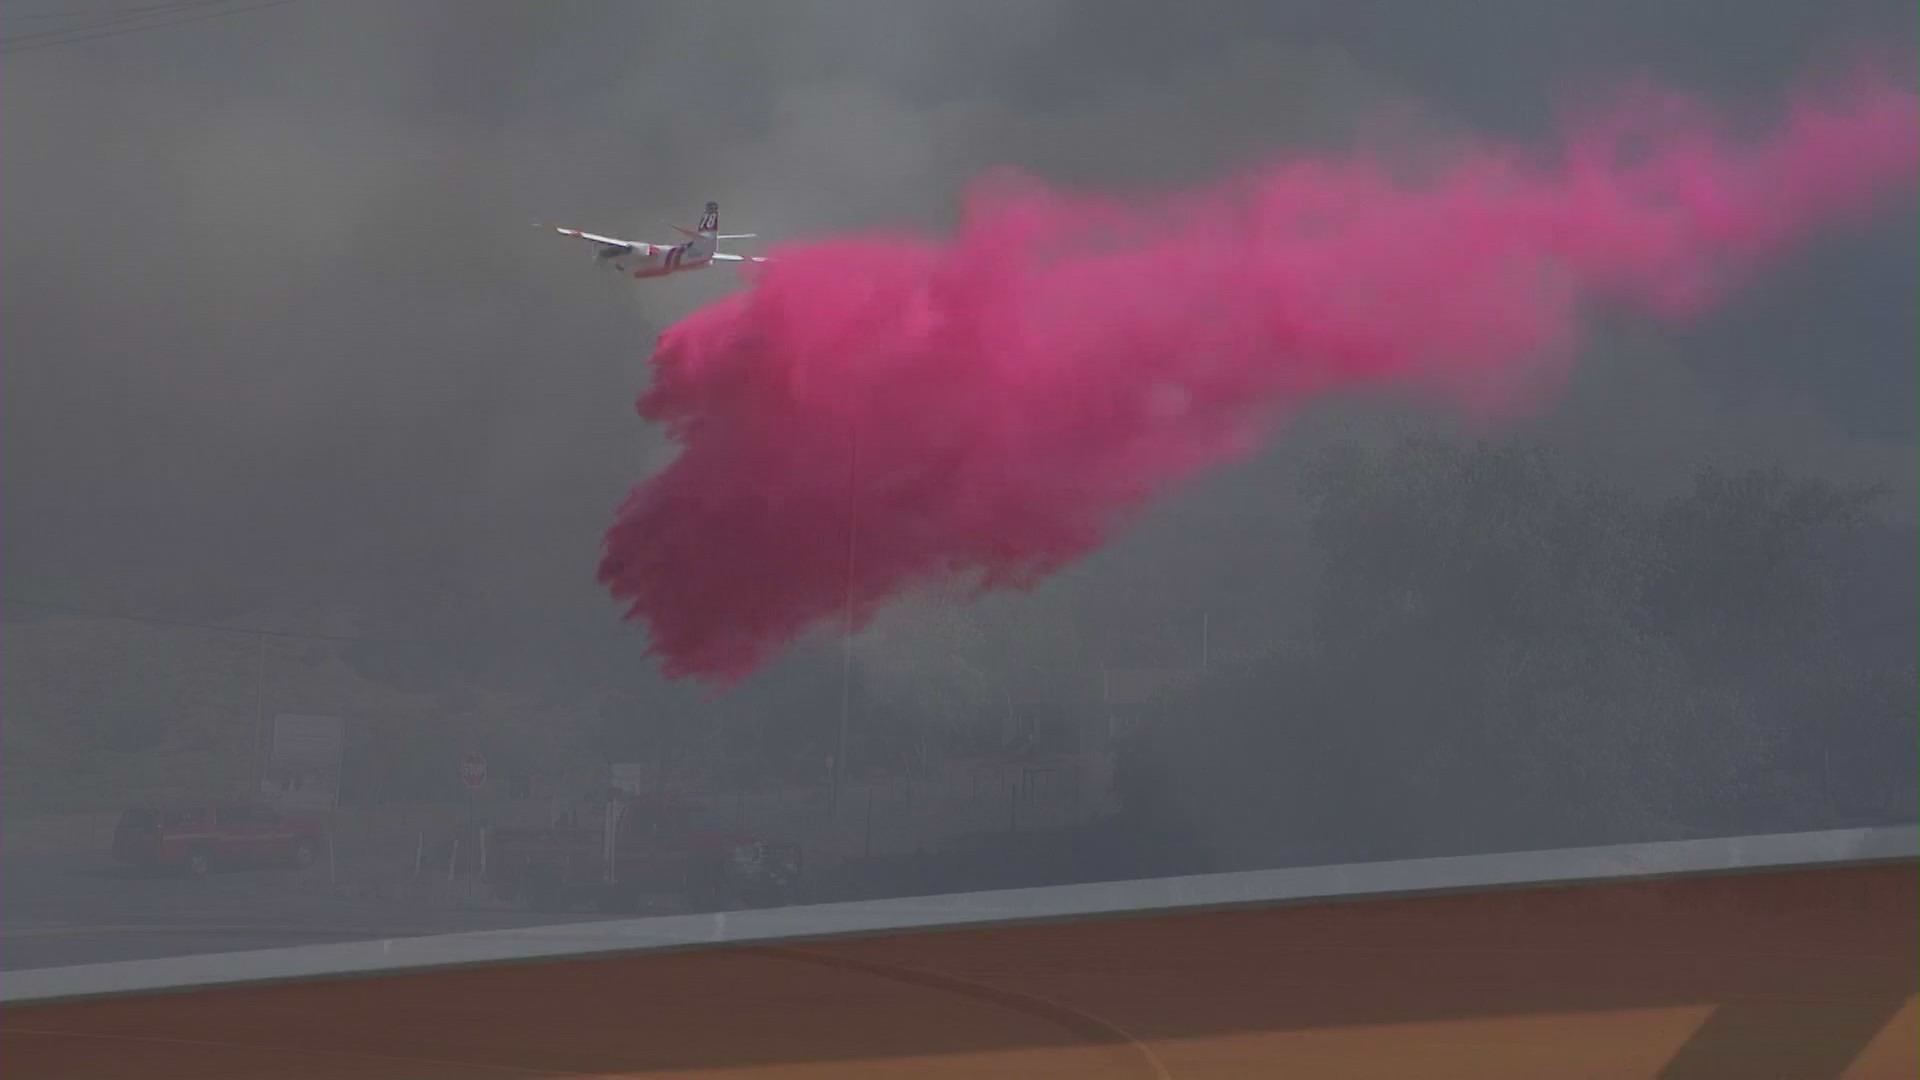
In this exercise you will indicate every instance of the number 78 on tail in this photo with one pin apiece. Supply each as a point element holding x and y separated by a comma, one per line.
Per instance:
<point>640,259</point>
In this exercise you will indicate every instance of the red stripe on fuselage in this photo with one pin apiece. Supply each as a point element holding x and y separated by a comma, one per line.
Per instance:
<point>663,271</point>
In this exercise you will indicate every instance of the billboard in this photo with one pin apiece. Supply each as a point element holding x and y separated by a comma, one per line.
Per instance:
<point>302,770</point>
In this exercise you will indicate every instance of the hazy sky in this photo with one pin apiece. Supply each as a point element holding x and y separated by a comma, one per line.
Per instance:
<point>277,337</point>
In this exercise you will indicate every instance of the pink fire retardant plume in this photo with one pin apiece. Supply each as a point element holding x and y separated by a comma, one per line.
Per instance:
<point>993,407</point>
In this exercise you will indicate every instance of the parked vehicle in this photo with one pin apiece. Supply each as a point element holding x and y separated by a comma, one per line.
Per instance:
<point>198,838</point>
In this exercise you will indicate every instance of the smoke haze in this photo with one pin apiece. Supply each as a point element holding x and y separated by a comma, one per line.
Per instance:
<point>1028,386</point>
<point>280,350</point>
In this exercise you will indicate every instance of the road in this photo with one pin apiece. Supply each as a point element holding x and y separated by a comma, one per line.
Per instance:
<point>75,908</point>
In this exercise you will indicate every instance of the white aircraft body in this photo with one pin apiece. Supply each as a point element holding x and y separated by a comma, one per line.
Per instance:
<point>639,259</point>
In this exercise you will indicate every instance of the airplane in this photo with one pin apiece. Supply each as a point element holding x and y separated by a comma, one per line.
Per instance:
<point>639,259</point>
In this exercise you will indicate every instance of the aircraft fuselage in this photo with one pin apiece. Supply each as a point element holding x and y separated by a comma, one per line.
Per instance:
<point>656,260</point>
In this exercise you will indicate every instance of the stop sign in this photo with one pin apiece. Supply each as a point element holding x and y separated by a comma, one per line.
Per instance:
<point>473,769</point>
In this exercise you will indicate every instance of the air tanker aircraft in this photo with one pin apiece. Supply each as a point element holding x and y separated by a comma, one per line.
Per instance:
<point>639,259</point>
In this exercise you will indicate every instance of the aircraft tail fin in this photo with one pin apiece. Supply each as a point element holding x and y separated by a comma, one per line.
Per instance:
<point>709,227</point>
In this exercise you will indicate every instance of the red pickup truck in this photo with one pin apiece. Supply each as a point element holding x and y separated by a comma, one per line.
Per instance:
<point>198,838</point>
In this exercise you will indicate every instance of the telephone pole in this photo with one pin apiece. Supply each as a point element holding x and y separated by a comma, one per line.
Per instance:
<point>846,642</point>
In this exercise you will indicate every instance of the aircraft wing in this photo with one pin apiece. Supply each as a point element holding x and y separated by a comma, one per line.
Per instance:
<point>724,257</point>
<point>604,241</point>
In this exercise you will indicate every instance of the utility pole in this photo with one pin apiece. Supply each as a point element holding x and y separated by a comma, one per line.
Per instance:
<point>846,644</point>
<point>259,718</point>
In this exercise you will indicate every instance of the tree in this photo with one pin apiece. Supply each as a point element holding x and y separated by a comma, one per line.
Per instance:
<point>1750,573</point>
<point>1507,655</point>
<point>1762,574</point>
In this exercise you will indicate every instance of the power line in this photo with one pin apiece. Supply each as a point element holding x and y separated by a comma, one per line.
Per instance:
<point>187,624</point>
<point>101,20</point>
<point>107,13</point>
<point>624,634</point>
<point>69,36</point>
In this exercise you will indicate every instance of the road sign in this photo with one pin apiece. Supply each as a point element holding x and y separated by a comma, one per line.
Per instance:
<point>473,769</point>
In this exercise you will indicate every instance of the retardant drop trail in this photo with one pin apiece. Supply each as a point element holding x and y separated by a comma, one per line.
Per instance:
<point>996,405</point>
